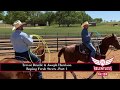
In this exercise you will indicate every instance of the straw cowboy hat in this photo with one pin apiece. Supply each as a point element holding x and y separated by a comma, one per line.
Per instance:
<point>85,23</point>
<point>17,24</point>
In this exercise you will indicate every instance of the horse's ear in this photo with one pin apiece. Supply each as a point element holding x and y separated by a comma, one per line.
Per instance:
<point>113,34</point>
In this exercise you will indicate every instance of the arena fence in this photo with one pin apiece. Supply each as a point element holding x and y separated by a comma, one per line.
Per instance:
<point>54,42</point>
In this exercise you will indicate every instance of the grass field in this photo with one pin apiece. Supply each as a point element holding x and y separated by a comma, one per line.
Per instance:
<point>72,31</point>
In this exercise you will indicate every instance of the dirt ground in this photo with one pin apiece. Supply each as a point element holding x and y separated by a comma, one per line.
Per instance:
<point>80,75</point>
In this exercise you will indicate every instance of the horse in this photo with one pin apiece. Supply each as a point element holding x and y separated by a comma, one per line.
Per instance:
<point>19,74</point>
<point>15,74</point>
<point>40,52</point>
<point>72,52</point>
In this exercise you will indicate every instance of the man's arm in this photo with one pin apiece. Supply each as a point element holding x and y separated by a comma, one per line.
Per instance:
<point>27,39</point>
<point>91,33</point>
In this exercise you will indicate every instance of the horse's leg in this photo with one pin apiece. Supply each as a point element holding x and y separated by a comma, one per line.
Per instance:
<point>91,76</point>
<point>103,77</point>
<point>64,74</point>
<point>74,75</point>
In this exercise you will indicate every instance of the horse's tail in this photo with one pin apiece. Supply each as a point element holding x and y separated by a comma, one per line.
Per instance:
<point>60,53</point>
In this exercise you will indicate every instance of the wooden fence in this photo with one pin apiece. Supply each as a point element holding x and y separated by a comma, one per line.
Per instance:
<point>54,43</point>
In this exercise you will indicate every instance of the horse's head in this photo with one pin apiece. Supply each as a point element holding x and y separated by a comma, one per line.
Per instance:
<point>40,52</point>
<point>112,40</point>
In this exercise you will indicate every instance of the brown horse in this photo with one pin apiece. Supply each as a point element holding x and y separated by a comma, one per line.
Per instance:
<point>14,75</point>
<point>72,53</point>
<point>40,52</point>
<point>20,75</point>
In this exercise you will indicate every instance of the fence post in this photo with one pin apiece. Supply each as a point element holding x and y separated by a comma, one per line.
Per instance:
<point>65,41</point>
<point>68,34</point>
<point>45,35</point>
<point>57,42</point>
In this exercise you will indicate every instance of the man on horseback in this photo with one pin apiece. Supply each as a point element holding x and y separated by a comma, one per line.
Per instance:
<point>86,39</point>
<point>21,42</point>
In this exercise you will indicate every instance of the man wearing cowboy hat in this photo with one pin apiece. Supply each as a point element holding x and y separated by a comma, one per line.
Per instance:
<point>86,39</point>
<point>21,42</point>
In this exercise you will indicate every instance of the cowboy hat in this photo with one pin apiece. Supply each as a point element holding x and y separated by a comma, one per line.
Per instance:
<point>85,23</point>
<point>17,24</point>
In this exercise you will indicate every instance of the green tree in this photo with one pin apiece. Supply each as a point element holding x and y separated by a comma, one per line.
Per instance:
<point>66,17</point>
<point>97,20</point>
<point>59,17</point>
<point>15,15</point>
<point>49,17</point>
<point>85,17</point>
<point>2,15</point>
<point>71,17</point>
<point>35,17</point>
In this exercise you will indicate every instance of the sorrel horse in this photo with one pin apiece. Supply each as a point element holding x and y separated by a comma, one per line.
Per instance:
<point>40,52</point>
<point>21,75</point>
<point>72,53</point>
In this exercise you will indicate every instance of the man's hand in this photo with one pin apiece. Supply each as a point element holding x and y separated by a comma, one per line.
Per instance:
<point>31,36</point>
<point>91,33</point>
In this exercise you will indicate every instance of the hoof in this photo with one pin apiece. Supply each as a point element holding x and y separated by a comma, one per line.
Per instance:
<point>87,78</point>
<point>75,78</point>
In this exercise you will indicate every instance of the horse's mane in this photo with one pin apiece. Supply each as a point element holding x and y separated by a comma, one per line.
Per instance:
<point>110,36</point>
<point>107,37</point>
<point>39,47</point>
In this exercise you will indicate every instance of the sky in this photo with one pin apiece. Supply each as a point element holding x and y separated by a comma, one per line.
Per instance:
<point>105,15</point>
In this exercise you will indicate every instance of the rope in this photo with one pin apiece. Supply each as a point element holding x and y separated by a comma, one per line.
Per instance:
<point>98,35</point>
<point>30,57</point>
<point>44,43</point>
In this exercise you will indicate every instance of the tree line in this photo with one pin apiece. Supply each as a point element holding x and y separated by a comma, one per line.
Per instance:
<point>62,18</point>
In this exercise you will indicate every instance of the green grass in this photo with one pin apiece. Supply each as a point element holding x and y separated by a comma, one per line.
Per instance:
<point>73,30</point>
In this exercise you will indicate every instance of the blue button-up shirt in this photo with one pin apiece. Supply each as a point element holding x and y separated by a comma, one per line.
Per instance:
<point>85,36</point>
<point>20,41</point>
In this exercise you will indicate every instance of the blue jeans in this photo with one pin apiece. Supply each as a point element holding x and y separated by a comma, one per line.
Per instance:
<point>29,56</point>
<point>93,50</point>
